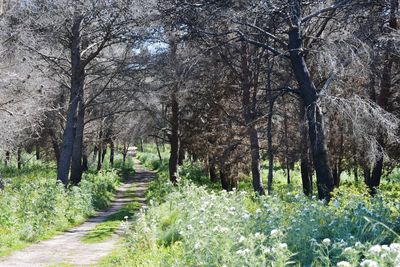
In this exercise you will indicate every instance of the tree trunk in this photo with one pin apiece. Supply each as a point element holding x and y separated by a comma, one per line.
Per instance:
<point>181,157</point>
<point>212,170</point>
<point>8,158</point>
<point>249,115</point>
<point>85,163</point>
<point>384,94</point>
<point>141,145</point>
<point>112,148</point>
<point>269,139</point>
<point>37,152</point>
<point>95,151</point>
<point>99,157</point>
<point>367,174</point>
<point>124,154</point>
<point>76,162</point>
<point>255,162</point>
<point>104,153</point>
<point>19,158</point>
<point>225,183</point>
<point>304,157</point>
<point>375,179</point>
<point>174,141</point>
<point>158,150</point>
<point>77,79</point>
<point>355,170</point>
<point>54,143</point>
<point>309,96</point>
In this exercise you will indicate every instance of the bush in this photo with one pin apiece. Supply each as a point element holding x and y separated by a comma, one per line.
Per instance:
<point>33,206</point>
<point>199,227</point>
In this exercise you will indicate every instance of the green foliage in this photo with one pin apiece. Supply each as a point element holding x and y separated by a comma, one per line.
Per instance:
<point>101,187</point>
<point>33,206</point>
<point>192,225</point>
<point>104,230</point>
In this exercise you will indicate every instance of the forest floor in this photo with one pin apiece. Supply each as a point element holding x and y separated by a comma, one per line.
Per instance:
<point>69,249</point>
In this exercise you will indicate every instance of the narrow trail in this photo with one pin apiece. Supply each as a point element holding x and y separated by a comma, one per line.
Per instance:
<point>68,248</point>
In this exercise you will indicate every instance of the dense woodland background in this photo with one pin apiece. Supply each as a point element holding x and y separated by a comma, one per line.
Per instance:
<point>248,91</point>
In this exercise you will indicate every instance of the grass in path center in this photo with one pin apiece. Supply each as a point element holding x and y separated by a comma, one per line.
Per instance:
<point>107,228</point>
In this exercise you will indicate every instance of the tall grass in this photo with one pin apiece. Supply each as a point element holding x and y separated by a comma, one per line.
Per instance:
<point>33,206</point>
<point>193,225</point>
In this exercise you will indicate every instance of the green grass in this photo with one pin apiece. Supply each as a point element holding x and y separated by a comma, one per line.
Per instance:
<point>106,229</point>
<point>34,207</point>
<point>195,224</point>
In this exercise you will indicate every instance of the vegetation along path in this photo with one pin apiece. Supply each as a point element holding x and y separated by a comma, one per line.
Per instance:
<point>68,248</point>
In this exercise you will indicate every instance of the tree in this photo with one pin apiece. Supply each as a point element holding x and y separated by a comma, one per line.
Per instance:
<point>73,42</point>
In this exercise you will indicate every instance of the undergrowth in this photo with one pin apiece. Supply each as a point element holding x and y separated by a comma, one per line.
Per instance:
<point>194,225</point>
<point>33,206</point>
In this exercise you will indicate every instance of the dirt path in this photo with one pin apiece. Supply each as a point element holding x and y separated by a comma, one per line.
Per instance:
<point>67,248</point>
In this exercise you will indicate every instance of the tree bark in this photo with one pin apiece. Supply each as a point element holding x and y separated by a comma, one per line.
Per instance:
<point>181,157</point>
<point>55,144</point>
<point>309,96</point>
<point>104,153</point>
<point>19,158</point>
<point>304,157</point>
<point>76,84</point>
<point>37,152</point>
<point>99,157</point>
<point>95,151</point>
<point>255,162</point>
<point>158,150</point>
<point>375,178</point>
<point>8,158</point>
<point>174,141</point>
<point>249,113</point>
<point>212,170</point>
<point>77,152</point>
<point>85,162</point>
<point>367,174</point>
<point>225,183</point>
<point>124,154</point>
<point>112,151</point>
<point>384,94</point>
<point>270,151</point>
<point>141,145</point>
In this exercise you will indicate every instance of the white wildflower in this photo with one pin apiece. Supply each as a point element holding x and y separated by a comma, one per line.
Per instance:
<point>343,264</point>
<point>369,263</point>
<point>395,247</point>
<point>326,242</point>
<point>375,249</point>
<point>258,235</point>
<point>241,239</point>
<point>283,246</point>
<point>246,216</point>
<point>358,245</point>
<point>240,252</point>
<point>385,248</point>
<point>197,245</point>
<point>348,250</point>
<point>276,233</point>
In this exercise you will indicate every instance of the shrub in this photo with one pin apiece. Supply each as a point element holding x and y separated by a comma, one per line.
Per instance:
<point>208,228</point>
<point>33,206</point>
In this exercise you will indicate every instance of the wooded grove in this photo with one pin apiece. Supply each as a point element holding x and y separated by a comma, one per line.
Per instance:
<point>294,103</point>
